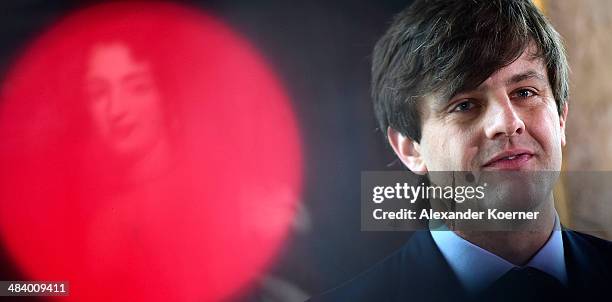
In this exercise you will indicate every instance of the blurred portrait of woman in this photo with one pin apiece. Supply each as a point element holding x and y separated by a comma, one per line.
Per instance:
<point>156,146</point>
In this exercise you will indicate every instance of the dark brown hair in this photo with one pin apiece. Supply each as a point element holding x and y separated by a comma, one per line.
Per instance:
<point>447,46</point>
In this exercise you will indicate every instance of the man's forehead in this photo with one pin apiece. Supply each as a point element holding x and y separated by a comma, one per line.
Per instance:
<point>529,63</point>
<point>529,66</point>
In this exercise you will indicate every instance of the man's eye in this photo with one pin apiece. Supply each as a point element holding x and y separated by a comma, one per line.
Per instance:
<point>464,106</point>
<point>524,93</point>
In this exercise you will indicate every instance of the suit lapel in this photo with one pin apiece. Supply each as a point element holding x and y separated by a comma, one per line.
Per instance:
<point>426,273</point>
<point>585,267</point>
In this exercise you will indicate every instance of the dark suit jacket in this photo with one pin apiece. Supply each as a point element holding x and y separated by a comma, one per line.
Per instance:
<point>419,272</point>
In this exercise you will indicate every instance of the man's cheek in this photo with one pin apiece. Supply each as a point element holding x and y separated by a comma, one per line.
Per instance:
<point>547,131</point>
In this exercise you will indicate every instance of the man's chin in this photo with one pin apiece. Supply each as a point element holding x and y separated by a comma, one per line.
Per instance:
<point>518,190</point>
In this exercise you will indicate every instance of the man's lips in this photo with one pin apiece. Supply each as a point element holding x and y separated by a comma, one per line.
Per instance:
<point>510,159</point>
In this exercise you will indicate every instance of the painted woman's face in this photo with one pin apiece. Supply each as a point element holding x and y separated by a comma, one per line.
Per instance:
<point>124,101</point>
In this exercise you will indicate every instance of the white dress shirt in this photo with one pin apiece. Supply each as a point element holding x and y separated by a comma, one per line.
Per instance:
<point>477,268</point>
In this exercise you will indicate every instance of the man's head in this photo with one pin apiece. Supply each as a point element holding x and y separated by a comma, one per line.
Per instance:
<point>471,86</point>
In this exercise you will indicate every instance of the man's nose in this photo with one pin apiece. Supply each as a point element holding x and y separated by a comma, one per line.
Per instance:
<point>502,119</point>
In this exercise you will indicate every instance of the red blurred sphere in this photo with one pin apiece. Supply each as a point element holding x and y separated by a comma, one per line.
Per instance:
<point>148,153</point>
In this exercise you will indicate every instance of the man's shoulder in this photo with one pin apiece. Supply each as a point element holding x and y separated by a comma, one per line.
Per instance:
<point>585,245</point>
<point>414,271</point>
<point>589,262</point>
<point>377,281</point>
<point>586,240</point>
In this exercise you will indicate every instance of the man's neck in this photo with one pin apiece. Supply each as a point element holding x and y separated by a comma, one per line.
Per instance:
<point>516,246</point>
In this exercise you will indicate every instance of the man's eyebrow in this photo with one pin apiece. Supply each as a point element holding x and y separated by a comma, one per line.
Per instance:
<point>444,99</point>
<point>530,74</point>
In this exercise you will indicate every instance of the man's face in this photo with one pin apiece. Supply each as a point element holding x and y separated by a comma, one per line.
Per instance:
<point>123,100</point>
<point>509,122</point>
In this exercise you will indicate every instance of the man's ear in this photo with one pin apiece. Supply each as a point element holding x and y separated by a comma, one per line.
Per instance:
<point>407,150</point>
<point>562,120</point>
